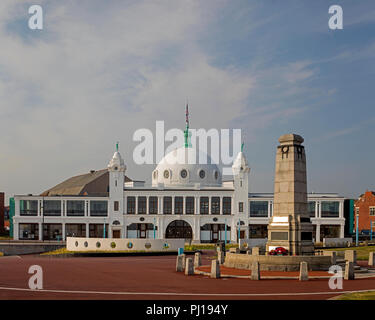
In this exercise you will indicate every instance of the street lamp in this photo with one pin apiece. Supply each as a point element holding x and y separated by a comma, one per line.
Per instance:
<point>356,231</point>
<point>154,228</point>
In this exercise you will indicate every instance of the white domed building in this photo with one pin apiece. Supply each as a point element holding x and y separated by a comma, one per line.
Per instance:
<point>187,198</point>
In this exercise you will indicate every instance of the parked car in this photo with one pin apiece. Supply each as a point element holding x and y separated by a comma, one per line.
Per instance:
<point>279,251</point>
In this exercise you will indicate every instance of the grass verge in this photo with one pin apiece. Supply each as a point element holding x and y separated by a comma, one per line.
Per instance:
<point>368,295</point>
<point>362,252</point>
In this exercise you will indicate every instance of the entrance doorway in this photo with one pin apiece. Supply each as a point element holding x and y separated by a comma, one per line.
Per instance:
<point>116,234</point>
<point>179,229</point>
<point>215,232</point>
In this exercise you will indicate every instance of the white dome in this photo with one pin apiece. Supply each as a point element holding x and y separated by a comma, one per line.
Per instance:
<point>180,167</point>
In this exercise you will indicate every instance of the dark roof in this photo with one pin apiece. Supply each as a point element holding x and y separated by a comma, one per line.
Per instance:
<point>94,183</point>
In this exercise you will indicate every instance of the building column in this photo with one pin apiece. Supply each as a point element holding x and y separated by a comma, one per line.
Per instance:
<point>87,230</point>
<point>40,231</point>
<point>269,209</point>
<point>221,205</point>
<point>63,231</point>
<point>160,224</point>
<point>197,229</point>
<point>88,209</point>
<point>183,205</point>
<point>173,204</point>
<point>16,230</point>
<point>319,209</point>
<point>147,206</point>
<point>342,234</point>
<point>209,205</point>
<point>317,233</point>
<point>136,204</point>
<point>233,231</point>
<point>160,205</point>
<point>341,210</point>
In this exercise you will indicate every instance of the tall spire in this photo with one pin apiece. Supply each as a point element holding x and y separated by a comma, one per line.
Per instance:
<point>186,132</point>
<point>117,146</point>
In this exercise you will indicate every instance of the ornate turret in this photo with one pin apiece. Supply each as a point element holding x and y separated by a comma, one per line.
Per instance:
<point>117,162</point>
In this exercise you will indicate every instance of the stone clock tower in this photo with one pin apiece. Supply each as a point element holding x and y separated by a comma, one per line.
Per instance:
<point>290,226</point>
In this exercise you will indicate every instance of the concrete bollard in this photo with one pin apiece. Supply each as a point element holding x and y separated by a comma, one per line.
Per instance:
<point>221,257</point>
<point>197,260</point>
<point>215,269</point>
<point>351,255</point>
<point>234,250</point>
<point>371,259</point>
<point>331,254</point>
<point>349,271</point>
<point>255,251</point>
<point>180,264</point>
<point>303,271</point>
<point>189,267</point>
<point>255,271</point>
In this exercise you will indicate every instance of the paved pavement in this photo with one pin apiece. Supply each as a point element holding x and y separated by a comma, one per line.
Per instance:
<point>147,277</point>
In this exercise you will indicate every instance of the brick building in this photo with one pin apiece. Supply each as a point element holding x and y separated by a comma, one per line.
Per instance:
<point>364,206</point>
<point>2,209</point>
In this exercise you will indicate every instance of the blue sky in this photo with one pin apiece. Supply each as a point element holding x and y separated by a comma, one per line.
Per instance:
<point>101,70</point>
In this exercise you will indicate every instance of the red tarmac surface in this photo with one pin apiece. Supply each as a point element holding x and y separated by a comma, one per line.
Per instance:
<point>148,277</point>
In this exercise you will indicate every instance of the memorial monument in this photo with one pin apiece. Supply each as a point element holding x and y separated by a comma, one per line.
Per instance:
<point>290,226</point>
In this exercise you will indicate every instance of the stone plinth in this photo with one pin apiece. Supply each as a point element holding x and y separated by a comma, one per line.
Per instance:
<point>331,254</point>
<point>277,263</point>
<point>371,259</point>
<point>255,251</point>
<point>221,257</point>
<point>189,267</point>
<point>255,271</point>
<point>197,260</point>
<point>303,271</point>
<point>290,226</point>
<point>215,269</point>
<point>180,263</point>
<point>351,255</point>
<point>349,271</point>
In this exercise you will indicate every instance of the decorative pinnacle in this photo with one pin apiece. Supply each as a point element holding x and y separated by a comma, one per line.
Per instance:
<point>117,146</point>
<point>242,145</point>
<point>186,131</point>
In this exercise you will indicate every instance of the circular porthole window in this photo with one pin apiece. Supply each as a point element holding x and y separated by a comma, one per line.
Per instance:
<point>98,244</point>
<point>130,245</point>
<point>214,219</point>
<point>166,245</point>
<point>86,244</point>
<point>142,219</point>
<point>76,243</point>
<point>113,245</point>
<point>202,174</point>
<point>183,173</point>
<point>147,245</point>
<point>166,174</point>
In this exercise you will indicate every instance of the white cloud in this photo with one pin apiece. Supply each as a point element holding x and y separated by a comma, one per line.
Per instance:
<point>94,76</point>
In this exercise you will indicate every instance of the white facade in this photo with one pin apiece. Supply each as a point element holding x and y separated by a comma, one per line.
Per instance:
<point>184,201</point>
